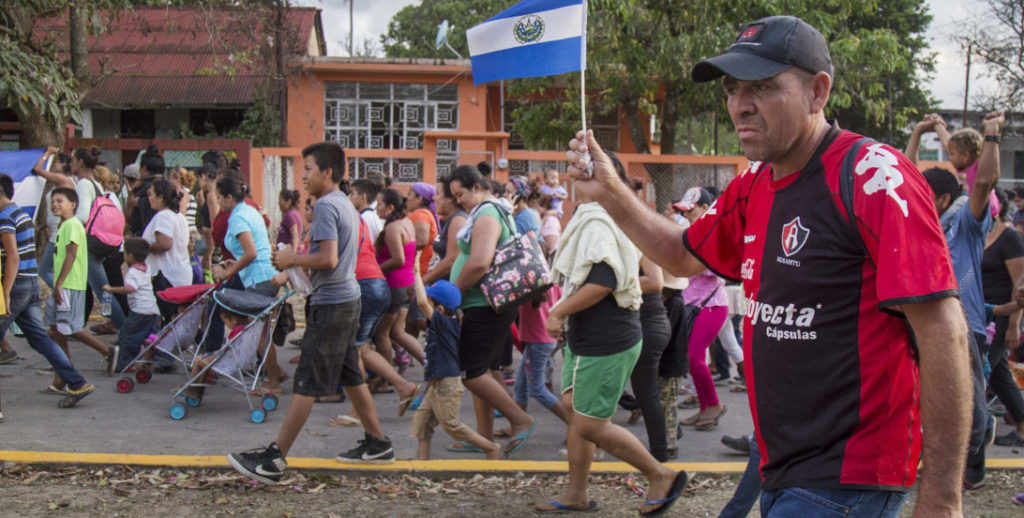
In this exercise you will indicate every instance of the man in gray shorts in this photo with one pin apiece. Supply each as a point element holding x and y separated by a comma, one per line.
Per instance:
<point>329,355</point>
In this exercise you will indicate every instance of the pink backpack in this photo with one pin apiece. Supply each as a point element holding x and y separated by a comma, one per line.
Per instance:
<point>104,231</point>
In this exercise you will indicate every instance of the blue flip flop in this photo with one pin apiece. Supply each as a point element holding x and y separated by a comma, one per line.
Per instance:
<point>519,440</point>
<point>560,508</point>
<point>463,447</point>
<point>673,494</point>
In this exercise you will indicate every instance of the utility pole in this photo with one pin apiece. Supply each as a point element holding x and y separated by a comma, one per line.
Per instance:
<point>351,3</point>
<point>967,85</point>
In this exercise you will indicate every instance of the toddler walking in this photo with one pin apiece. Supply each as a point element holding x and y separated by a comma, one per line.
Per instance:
<point>440,303</point>
<point>143,319</point>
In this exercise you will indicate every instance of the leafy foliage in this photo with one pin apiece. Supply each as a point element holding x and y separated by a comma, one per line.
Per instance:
<point>30,82</point>
<point>641,52</point>
<point>412,30</point>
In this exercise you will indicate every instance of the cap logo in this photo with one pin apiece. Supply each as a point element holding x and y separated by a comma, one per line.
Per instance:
<point>750,33</point>
<point>691,196</point>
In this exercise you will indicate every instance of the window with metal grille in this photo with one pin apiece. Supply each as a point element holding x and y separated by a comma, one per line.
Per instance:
<point>391,116</point>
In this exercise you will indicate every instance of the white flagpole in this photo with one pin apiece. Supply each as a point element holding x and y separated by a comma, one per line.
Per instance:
<point>583,70</point>
<point>583,87</point>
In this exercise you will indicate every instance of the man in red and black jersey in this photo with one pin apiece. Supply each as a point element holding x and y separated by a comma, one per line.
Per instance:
<point>838,392</point>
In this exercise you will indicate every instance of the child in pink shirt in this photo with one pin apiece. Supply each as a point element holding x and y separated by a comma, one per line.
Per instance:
<point>537,347</point>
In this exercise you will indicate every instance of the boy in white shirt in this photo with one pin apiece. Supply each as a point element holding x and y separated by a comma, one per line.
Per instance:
<point>143,318</point>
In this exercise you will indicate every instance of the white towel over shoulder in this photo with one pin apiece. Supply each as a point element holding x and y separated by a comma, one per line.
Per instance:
<point>592,237</point>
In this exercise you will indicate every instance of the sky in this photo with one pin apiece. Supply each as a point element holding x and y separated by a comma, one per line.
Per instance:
<point>370,19</point>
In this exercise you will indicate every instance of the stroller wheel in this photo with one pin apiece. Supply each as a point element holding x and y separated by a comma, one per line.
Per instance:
<point>257,415</point>
<point>193,401</point>
<point>143,376</point>
<point>178,411</point>
<point>269,403</point>
<point>125,385</point>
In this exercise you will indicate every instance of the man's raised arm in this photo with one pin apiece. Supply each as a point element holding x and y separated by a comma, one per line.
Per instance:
<point>658,238</point>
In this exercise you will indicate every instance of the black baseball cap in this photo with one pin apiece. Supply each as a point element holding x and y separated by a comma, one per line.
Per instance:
<point>765,48</point>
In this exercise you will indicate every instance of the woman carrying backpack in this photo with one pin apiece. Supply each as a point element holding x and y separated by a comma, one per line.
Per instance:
<point>83,167</point>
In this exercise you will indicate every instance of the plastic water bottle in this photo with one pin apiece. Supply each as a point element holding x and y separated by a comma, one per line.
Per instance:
<point>105,304</point>
<point>298,279</point>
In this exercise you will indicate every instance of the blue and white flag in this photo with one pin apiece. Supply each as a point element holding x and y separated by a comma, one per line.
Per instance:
<point>28,187</point>
<point>530,39</point>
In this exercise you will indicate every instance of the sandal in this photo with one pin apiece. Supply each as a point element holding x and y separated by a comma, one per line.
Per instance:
<point>519,440</point>
<point>738,388</point>
<point>404,404</point>
<point>560,508</point>
<point>103,329</point>
<point>693,419</point>
<point>708,422</point>
<point>678,485</point>
<point>54,390</point>
<point>462,447</point>
<point>344,421</point>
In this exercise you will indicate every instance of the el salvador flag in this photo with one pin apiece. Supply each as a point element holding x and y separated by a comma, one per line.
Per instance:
<point>530,39</point>
<point>28,187</point>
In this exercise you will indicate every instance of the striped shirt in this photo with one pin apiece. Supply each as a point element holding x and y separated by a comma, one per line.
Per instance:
<point>13,220</point>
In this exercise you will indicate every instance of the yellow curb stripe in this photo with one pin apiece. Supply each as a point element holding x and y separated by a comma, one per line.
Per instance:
<point>449,465</point>
<point>446,465</point>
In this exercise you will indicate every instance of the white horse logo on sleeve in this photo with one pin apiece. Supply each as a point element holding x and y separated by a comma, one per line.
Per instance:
<point>886,176</point>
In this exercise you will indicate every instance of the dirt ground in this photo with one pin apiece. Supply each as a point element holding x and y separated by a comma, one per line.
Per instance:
<point>30,491</point>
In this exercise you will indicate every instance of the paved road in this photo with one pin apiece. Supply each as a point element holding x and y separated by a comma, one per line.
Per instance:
<point>138,423</point>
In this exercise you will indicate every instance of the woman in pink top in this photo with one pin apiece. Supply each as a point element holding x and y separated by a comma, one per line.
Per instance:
<point>707,291</point>
<point>396,253</point>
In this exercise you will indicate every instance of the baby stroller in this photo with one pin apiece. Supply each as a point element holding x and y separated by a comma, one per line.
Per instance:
<point>178,338</point>
<point>239,361</point>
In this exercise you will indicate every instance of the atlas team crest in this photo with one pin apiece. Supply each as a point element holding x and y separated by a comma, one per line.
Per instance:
<point>794,235</point>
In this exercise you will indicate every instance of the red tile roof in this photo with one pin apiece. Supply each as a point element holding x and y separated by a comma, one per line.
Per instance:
<point>158,56</point>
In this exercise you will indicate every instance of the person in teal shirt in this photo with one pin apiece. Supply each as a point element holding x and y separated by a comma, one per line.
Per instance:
<point>246,239</point>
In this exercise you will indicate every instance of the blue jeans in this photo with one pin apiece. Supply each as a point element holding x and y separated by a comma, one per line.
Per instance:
<point>749,488</point>
<point>46,264</point>
<point>374,297</point>
<point>798,501</point>
<point>131,335</point>
<point>97,279</point>
<point>974,472</point>
<point>530,375</point>
<point>24,310</point>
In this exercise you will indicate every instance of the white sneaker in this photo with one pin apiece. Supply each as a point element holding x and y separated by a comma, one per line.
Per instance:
<point>1,417</point>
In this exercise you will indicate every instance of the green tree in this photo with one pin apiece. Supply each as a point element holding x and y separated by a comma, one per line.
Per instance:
<point>42,90</point>
<point>412,30</point>
<point>640,53</point>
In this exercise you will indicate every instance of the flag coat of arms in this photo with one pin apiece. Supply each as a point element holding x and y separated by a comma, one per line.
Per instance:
<point>530,39</point>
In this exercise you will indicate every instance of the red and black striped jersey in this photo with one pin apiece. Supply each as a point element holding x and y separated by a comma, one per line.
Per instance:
<point>831,372</point>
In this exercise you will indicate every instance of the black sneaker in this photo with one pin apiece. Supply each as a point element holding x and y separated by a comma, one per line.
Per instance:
<point>6,358</point>
<point>739,444</point>
<point>263,464</point>
<point>1011,439</point>
<point>371,450</point>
